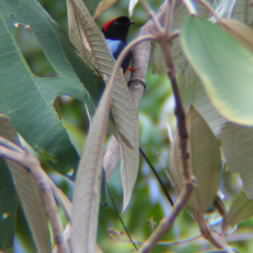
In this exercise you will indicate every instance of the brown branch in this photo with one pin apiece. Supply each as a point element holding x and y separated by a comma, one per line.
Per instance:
<point>213,237</point>
<point>166,224</point>
<point>165,43</point>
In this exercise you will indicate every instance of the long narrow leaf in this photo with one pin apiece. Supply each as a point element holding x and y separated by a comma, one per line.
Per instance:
<point>29,195</point>
<point>88,181</point>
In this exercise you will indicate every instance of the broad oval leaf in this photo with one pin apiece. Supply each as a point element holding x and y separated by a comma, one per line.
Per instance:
<point>205,162</point>
<point>223,65</point>
<point>28,99</point>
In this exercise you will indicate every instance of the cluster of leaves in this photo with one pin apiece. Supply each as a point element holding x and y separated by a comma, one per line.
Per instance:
<point>219,123</point>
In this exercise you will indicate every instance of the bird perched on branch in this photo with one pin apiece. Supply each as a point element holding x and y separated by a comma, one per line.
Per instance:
<point>115,32</point>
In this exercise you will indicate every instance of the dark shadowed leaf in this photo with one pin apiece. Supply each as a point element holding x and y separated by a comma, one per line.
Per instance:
<point>8,208</point>
<point>28,99</point>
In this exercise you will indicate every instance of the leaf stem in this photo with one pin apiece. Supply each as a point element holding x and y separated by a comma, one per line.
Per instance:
<point>153,169</point>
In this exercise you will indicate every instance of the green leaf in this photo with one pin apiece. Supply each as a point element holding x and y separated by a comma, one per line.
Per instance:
<point>223,65</point>
<point>240,210</point>
<point>205,161</point>
<point>28,99</point>
<point>237,144</point>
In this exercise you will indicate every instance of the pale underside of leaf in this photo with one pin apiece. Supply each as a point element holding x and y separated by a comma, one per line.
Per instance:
<point>29,194</point>
<point>111,158</point>
<point>88,181</point>
<point>205,162</point>
<point>124,111</point>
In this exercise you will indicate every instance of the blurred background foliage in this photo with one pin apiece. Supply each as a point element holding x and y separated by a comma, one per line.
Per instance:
<point>148,205</point>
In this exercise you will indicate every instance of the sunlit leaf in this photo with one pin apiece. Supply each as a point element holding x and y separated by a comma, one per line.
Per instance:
<point>223,65</point>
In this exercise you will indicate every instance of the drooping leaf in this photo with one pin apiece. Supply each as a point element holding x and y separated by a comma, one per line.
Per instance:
<point>240,210</point>
<point>223,65</point>
<point>237,144</point>
<point>124,110</point>
<point>88,181</point>
<point>28,99</point>
<point>129,171</point>
<point>205,162</point>
<point>28,193</point>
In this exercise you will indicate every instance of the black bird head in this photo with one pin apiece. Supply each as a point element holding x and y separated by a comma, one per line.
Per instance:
<point>117,28</point>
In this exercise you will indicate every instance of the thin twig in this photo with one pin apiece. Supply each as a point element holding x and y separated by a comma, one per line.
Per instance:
<point>209,8</point>
<point>166,224</point>
<point>179,112</point>
<point>184,196</point>
<point>153,169</point>
<point>148,9</point>
<point>120,218</point>
<point>210,235</point>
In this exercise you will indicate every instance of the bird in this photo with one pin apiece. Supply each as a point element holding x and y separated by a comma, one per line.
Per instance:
<point>115,32</point>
